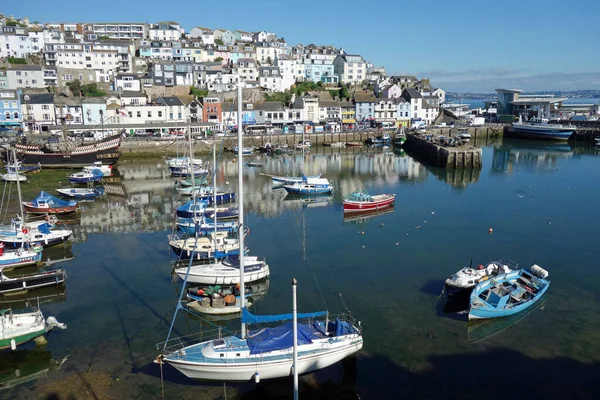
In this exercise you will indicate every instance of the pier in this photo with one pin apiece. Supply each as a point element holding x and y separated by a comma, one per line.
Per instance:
<point>428,149</point>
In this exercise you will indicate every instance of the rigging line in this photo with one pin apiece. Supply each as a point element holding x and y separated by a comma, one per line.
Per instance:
<point>330,274</point>
<point>307,259</point>
<point>2,204</point>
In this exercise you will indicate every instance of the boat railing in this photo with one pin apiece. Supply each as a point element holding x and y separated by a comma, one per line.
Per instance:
<point>513,265</point>
<point>174,345</point>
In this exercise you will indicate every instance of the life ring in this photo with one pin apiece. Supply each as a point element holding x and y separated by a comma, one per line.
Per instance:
<point>25,231</point>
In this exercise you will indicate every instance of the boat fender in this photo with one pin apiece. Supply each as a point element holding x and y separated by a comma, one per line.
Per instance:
<point>256,377</point>
<point>200,292</point>
<point>13,344</point>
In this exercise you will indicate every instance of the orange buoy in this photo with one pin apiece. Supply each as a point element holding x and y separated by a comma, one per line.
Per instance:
<point>490,231</point>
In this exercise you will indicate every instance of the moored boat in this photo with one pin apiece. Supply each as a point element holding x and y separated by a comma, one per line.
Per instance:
<point>508,294</point>
<point>105,169</point>
<point>468,278</point>
<point>45,203</point>
<point>20,257</point>
<point>18,327</point>
<point>360,201</point>
<point>310,186</point>
<point>217,246</point>
<point>226,271</point>
<point>23,283</point>
<point>14,177</point>
<point>540,128</point>
<point>93,175</point>
<point>82,193</point>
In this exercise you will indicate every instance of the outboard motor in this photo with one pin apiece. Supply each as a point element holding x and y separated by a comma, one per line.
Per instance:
<point>52,323</point>
<point>539,271</point>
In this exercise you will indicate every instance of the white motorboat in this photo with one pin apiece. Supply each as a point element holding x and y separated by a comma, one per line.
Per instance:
<point>468,278</point>
<point>226,271</point>
<point>14,177</point>
<point>23,326</point>
<point>105,169</point>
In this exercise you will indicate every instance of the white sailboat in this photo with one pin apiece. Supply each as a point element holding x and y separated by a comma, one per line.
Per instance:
<point>267,353</point>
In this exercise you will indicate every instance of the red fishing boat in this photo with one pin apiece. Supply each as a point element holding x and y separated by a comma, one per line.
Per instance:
<point>48,204</point>
<point>359,201</point>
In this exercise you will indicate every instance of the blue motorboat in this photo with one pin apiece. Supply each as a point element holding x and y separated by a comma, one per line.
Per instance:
<point>82,193</point>
<point>540,128</point>
<point>186,172</point>
<point>203,225</point>
<point>310,186</point>
<point>221,197</point>
<point>384,139</point>
<point>94,175</point>
<point>193,208</point>
<point>508,294</point>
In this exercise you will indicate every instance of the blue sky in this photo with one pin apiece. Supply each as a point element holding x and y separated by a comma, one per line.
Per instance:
<point>461,45</point>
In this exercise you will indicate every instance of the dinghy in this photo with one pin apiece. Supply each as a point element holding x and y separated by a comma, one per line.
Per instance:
<point>509,293</point>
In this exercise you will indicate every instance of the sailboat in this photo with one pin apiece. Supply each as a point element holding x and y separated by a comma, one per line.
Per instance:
<point>41,233</point>
<point>265,353</point>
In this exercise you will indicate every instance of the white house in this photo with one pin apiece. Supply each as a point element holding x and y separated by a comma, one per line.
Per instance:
<point>269,78</point>
<point>266,52</point>
<point>166,30</point>
<point>352,69</point>
<point>288,68</point>
<point>243,36</point>
<point>145,114</point>
<point>176,110</point>
<point>39,109</point>
<point>330,112</point>
<point>246,69</point>
<point>20,76</point>
<point>127,83</point>
<point>385,110</point>
<point>15,42</point>
<point>68,109</point>
<point>419,107</point>
<point>206,35</point>
<point>391,91</point>
<point>309,106</point>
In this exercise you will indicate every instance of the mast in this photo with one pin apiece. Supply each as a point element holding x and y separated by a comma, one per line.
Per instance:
<point>241,205</point>
<point>214,190</point>
<point>191,166</point>
<point>295,330</point>
<point>18,185</point>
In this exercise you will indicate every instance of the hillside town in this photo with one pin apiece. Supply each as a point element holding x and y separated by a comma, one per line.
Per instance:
<point>149,78</point>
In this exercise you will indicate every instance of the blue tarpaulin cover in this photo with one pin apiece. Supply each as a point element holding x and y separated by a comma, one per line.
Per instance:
<point>281,337</point>
<point>249,318</point>
<point>44,228</point>
<point>44,198</point>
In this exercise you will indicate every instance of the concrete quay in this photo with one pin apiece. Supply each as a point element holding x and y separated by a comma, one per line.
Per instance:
<point>427,148</point>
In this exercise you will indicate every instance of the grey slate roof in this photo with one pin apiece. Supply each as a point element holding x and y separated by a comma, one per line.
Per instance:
<point>414,94</point>
<point>44,98</point>
<point>169,101</point>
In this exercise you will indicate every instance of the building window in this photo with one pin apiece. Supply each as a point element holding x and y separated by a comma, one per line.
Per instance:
<point>170,115</point>
<point>18,73</point>
<point>160,114</point>
<point>130,114</point>
<point>139,114</point>
<point>45,107</point>
<point>16,115</point>
<point>7,115</point>
<point>46,117</point>
<point>149,114</point>
<point>20,81</point>
<point>179,115</point>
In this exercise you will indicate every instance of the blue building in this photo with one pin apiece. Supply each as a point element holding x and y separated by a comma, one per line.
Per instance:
<point>10,109</point>
<point>365,108</point>
<point>316,71</point>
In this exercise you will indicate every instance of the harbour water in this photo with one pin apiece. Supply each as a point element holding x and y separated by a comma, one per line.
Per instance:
<point>540,202</point>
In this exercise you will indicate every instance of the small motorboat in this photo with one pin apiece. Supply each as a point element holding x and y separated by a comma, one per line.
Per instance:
<point>246,151</point>
<point>105,169</point>
<point>508,294</point>
<point>360,201</point>
<point>310,186</point>
<point>303,144</point>
<point>216,246</point>
<point>32,281</point>
<point>353,144</point>
<point>22,326</point>
<point>254,164</point>
<point>290,180</point>
<point>20,257</point>
<point>14,177</point>
<point>48,204</point>
<point>93,175</point>
<point>82,193</point>
<point>468,278</point>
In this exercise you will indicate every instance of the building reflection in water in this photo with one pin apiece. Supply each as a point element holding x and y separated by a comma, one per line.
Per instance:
<point>530,155</point>
<point>142,198</point>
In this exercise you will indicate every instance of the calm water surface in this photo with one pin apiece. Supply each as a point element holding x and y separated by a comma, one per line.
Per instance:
<point>541,202</point>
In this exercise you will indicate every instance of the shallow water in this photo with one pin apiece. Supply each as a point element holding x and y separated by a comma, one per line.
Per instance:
<point>539,200</point>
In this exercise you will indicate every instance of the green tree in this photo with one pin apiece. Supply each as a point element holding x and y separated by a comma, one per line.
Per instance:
<point>333,94</point>
<point>218,41</point>
<point>219,59</point>
<point>344,94</point>
<point>283,97</point>
<point>75,87</point>
<point>15,60</point>
<point>104,37</point>
<point>11,22</point>
<point>269,61</point>
<point>92,90</point>
<point>194,91</point>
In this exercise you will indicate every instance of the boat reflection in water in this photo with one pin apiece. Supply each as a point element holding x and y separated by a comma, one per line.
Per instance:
<point>51,294</point>
<point>364,217</point>
<point>482,329</point>
<point>322,200</point>
<point>531,155</point>
<point>22,366</point>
